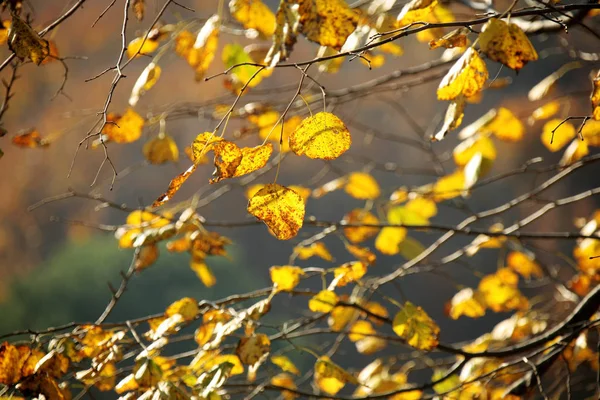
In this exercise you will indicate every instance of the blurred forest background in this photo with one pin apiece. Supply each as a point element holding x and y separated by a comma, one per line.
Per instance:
<point>56,272</point>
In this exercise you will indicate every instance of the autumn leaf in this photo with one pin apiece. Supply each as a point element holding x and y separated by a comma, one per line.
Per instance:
<point>252,348</point>
<point>139,8</point>
<point>414,11</point>
<point>30,139</point>
<point>388,240</point>
<point>557,133</point>
<point>416,327</point>
<point>322,135</point>
<point>147,256</point>
<point>507,44</point>
<point>523,264</point>
<point>464,152</point>
<point>253,14</point>
<point>324,301</point>
<point>546,111</point>
<point>285,364</point>
<point>455,38</point>
<point>186,307</point>
<point>280,208</point>
<point>174,186</point>
<point>25,42</point>
<point>364,254</point>
<point>544,87</point>
<point>466,302</point>
<point>285,381</point>
<point>317,249</point>
<point>124,129</point>
<point>285,278</point>
<point>357,234</point>
<point>203,272</point>
<point>505,126</point>
<point>362,186</point>
<point>500,291</point>
<point>231,161</point>
<point>349,272</point>
<point>449,186</point>
<point>574,152</point>
<point>141,46</point>
<point>330,377</point>
<point>467,77</point>
<point>359,330</point>
<point>595,97</point>
<point>161,149</point>
<point>145,82</point>
<point>242,73</point>
<point>199,51</point>
<point>327,22</point>
<point>287,26</point>
<point>452,119</point>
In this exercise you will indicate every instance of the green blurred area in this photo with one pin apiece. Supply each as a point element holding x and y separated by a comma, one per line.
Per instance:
<point>73,285</point>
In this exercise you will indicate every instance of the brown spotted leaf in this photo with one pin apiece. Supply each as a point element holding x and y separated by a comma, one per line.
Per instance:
<point>280,208</point>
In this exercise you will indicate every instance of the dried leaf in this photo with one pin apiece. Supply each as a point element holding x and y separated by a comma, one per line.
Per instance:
<point>25,42</point>
<point>416,327</point>
<point>322,135</point>
<point>280,208</point>
<point>251,349</point>
<point>253,14</point>
<point>357,234</point>
<point>161,149</point>
<point>455,38</point>
<point>285,278</point>
<point>349,272</point>
<point>363,186</point>
<point>327,22</point>
<point>174,186</point>
<point>507,44</point>
<point>138,9</point>
<point>467,77</point>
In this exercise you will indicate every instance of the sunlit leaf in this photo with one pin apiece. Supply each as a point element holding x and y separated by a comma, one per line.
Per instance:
<point>203,272</point>
<point>471,146</point>
<point>285,364</point>
<point>349,272</point>
<point>467,76</point>
<point>148,256</point>
<point>251,349</point>
<point>341,316</point>
<point>145,82</point>
<point>280,208</point>
<point>327,22</point>
<point>523,264</point>
<point>452,119</point>
<point>449,186</point>
<point>322,135</point>
<point>330,377</point>
<point>574,152</point>
<point>25,42</point>
<point>546,111</point>
<point>231,161</point>
<point>414,11</point>
<point>507,44</point>
<point>186,307</point>
<point>30,139</point>
<point>362,186</point>
<point>237,367</point>
<point>324,301</point>
<point>364,254</point>
<point>555,137</point>
<point>316,249</point>
<point>357,234</point>
<point>359,330</point>
<point>416,327</point>
<point>388,240</point>
<point>4,28</point>
<point>595,98</point>
<point>455,38</point>
<point>174,186</point>
<point>466,302</point>
<point>161,149</point>
<point>126,128</point>
<point>505,126</point>
<point>545,85</point>
<point>287,26</point>
<point>285,381</point>
<point>141,46</point>
<point>286,278</point>
<point>234,54</point>
<point>253,14</point>
<point>500,291</point>
<point>199,51</point>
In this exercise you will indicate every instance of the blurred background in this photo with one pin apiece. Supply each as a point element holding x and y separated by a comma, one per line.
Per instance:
<point>54,272</point>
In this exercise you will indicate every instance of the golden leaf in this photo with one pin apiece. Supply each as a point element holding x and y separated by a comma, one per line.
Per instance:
<point>251,349</point>
<point>464,152</point>
<point>330,377</point>
<point>203,272</point>
<point>186,307</point>
<point>322,135</point>
<point>452,119</point>
<point>231,161</point>
<point>138,9</point>
<point>523,264</point>
<point>505,126</point>
<point>341,316</point>
<point>161,149</point>
<point>377,309</point>
<point>466,302</point>
<point>284,38</point>
<point>126,128</point>
<point>147,256</point>
<point>140,47</point>
<point>286,278</point>
<point>280,208</point>
<point>415,11</point>
<point>324,301</point>
<point>595,98</point>
<point>370,345</point>
<point>362,186</point>
<point>546,111</point>
<point>174,186</point>
<point>421,206</point>
<point>449,186</point>
<point>253,14</point>
<point>237,369</point>
<point>574,152</point>
<point>389,239</point>
<point>25,42</point>
<point>467,76</point>
<point>4,28</point>
<point>30,139</point>
<point>416,327</point>
<point>315,249</point>
<point>507,44</point>
<point>327,22</point>
<point>285,381</point>
<point>359,330</point>
<point>145,82</point>
<point>234,54</point>
<point>555,137</point>
<point>500,291</point>
<point>364,254</point>
<point>357,234</point>
<point>285,364</point>
<point>455,38</point>
<point>349,272</point>
<point>199,51</point>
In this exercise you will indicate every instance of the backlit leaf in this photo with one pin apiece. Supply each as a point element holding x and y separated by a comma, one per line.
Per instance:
<point>416,327</point>
<point>500,291</point>
<point>285,364</point>
<point>357,234</point>
<point>523,264</point>
<point>349,272</point>
<point>199,51</point>
<point>595,98</point>
<point>203,272</point>
<point>140,47</point>
<point>286,278</point>
<point>126,128</point>
<point>414,11</point>
<point>505,126</point>
<point>285,381</point>
<point>231,161</point>
<point>251,349</point>
<point>145,82</point>
<point>562,134</point>
<point>148,255</point>
<point>161,149</point>
<point>317,249</point>
<point>324,301</point>
<point>471,146</point>
<point>449,186</point>
<point>327,22</point>
<point>507,44</point>
<point>456,38</point>
<point>174,186</point>
<point>389,239</point>
<point>234,54</point>
<point>466,302</point>
<point>330,377</point>
<point>284,38</point>
<point>360,329</point>
<point>253,14</point>
<point>280,208</point>
<point>30,139</point>
<point>452,119</point>
<point>362,186</point>
<point>25,42</point>
<point>364,254</point>
<point>322,135</point>
<point>467,76</point>
<point>186,307</point>
<point>546,111</point>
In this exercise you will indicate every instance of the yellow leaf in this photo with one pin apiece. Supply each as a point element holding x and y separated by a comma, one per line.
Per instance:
<point>449,186</point>
<point>251,349</point>
<point>357,234</point>
<point>287,20</point>
<point>544,87</point>
<point>302,191</point>
<point>330,377</point>
<point>349,272</point>
<point>507,44</point>
<point>360,329</point>
<point>231,161</point>
<point>286,278</point>
<point>546,111</point>
<point>426,208</point>
<point>506,126</point>
<point>174,186</point>
<point>574,152</point>
<point>203,271</point>
<point>126,384</point>
<point>285,381</point>
<point>416,327</point>
<point>253,14</point>
<point>377,309</point>
<point>389,239</point>
<point>233,359</point>
<point>199,52</point>
<point>453,118</point>
<point>145,82</point>
<point>591,133</point>
<point>523,264</point>
<point>595,98</point>
<point>341,316</point>
<point>139,47</point>
<point>280,208</point>
<point>329,187</point>
<point>25,42</point>
<point>327,22</point>
<point>411,213</point>
<point>124,129</point>
<point>500,291</point>
<point>370,345</point>
<point>467,76</point>
<point>466,302</point>
<point>234,54</point>
<point>315,249</point>
<point>415,11</point>
<point>268,131</point>
<point>136,222</point>
<point>148,255</point>
<point>30,139</point>
<point>322,135</point>
<point>440,14</point>
<point>203,143</point>
<point>364,254</point>
<point>362,186</point>
<point>285,364</point>
<point>324,301</point>
<point>555,137</point>
<point>4,28</point>
<point>464,152</point>
<point>161,149</point>
<point>186,307</point>
<point>456,38</point>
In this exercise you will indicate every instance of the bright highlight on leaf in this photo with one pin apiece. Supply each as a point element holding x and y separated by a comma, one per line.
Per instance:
<point>140,47</point>
<point>555,137</point>
<point>414,11</point>
<point>280,208</point>
<point>466,302</point>
<point>30,139</point>
<point>362,186</point>
<point>507,44</point>
<point>330,377</point>
<point>286,278</point>
<point>500,291</point>
<point>253,14</point>
<point>145,82</point>
<point>317,249</point>
<point>327,22</point>
<point>523,264</point>
<point>357,234</point>
<point>456,38</point>
<point>25,42</point>
<point>285,364</point>
<point>416,327</point>
<point>324,301</point>
<point>124,129</point>
<point>186,307</point>
<point>322,135</point>
<point>199,51</point>
<point>467,77</point>
<point>350,272</point>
